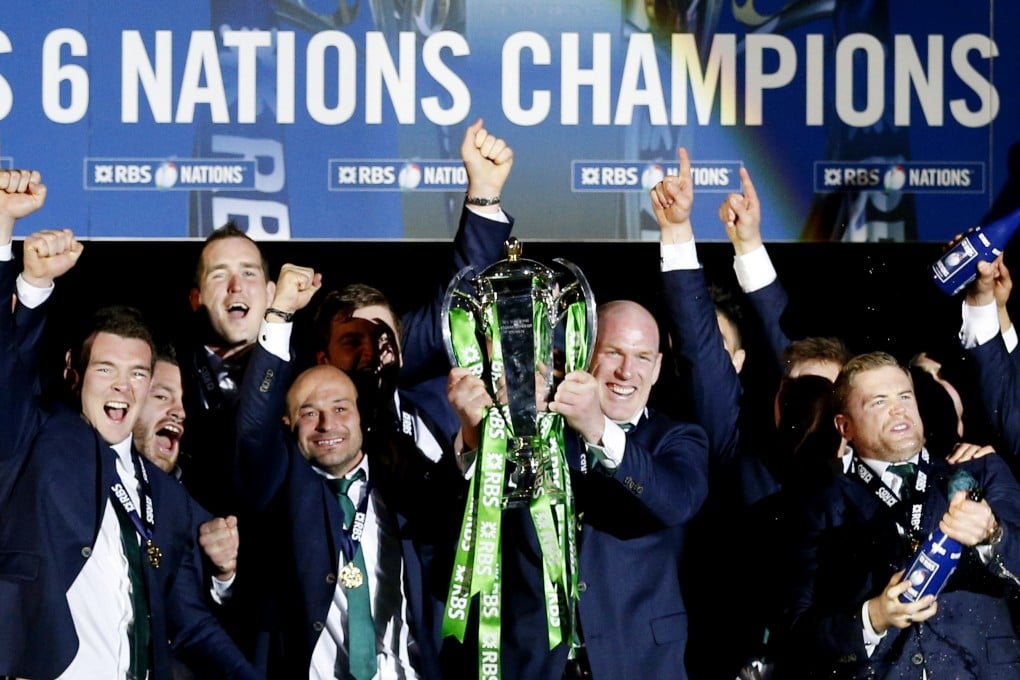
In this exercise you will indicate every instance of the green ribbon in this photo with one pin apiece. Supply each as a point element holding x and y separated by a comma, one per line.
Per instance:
<point>477,561</point>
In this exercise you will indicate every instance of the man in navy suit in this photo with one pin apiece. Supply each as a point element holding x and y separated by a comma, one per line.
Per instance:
<point>844,613</point>
<point>710,357</point>
<point>79,501</point>
<point>290,475</point>
<point>995,358</point>
<point>638,477</point>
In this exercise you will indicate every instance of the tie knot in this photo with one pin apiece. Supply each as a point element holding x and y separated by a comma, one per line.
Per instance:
<point>905,471</point>
<point>341,485</point>
<point>908,473</point>
<point>626,427</point>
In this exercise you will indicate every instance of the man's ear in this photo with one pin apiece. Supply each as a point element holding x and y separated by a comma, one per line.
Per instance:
<point>196,299</point>
<point>320,358</point>
<point>842,424</point>
<point>270,292</point>
<point>286,421</point>
<point>71,375</point>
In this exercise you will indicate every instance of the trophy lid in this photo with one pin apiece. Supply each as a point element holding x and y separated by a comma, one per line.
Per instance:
<point>517,267</point>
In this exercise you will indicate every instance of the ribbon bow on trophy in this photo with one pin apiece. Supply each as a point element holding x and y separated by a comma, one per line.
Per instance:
<point>520,326</point>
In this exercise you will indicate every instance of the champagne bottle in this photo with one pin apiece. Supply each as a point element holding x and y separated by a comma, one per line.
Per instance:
<point>958,266</point>
<point>936,559</point>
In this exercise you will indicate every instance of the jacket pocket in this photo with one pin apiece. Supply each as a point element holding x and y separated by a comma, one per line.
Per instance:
<point>19,566</point>
<point>672,628</point>
<point>1003,650</point>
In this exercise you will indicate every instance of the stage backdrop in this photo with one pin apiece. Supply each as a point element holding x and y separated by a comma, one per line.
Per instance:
<point>861,120</point>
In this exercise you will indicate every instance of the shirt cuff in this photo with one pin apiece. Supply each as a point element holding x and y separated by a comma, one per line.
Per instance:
<point>1010,338</point>
<point>499,216</point>
<point>466,463</point>
<point>222,590</point>
<point>754,269</point>
<point>674,256</point>
<point>32,296</point>
<point>275,338</point>
<point>614,442</point>
<point>871,638</point>
<point>7,252</point>
<point>980,324</point>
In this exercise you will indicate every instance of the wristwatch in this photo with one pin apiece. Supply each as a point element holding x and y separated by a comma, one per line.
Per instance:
<point>286,316</point>
<point>479,200</point>
<point>996,536</point>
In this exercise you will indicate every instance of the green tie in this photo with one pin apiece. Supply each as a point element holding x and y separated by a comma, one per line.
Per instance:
<point>626,427</point>
<point>138,631</point>
<point>361,647</point>
<point>908,473</point>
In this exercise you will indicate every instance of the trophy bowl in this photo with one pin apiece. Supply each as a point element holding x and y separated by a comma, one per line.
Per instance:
<point>517,325</point>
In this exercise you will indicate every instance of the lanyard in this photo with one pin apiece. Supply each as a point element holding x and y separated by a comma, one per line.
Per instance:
<point>145,524</point>
<point>350,539</point>
<point>865,475</point>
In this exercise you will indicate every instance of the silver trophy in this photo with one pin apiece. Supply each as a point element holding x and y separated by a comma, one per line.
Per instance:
<point>517,311</point>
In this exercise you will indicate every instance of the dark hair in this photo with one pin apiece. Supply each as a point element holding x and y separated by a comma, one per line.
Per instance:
<point>341,304</point>
<point>859,364</point>
<point>827,349</point>
<point>228,230</point>
<point>167,353</point>
<point>806,429</point>
<point>119,320</point>
<point>938,413</point>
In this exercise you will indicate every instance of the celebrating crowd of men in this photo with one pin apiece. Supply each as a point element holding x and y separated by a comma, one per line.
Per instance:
<point>219,506</point>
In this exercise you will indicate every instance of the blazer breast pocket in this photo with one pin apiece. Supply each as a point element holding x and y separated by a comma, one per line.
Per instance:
<point>19,566</point>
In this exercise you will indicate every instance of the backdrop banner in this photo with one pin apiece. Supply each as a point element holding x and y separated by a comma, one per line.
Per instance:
<point>860,120</point>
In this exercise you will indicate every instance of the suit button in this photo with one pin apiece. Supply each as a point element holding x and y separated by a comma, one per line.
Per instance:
<point>330,579</point>
<point>917,658</point>
<point>86,552</point>
<point>582,586</point>
<point>318,626</point>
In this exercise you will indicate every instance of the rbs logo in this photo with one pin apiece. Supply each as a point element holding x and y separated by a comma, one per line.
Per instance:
<point>132,174</point>
<point>619,177</point>
<point>122,173</point>
<point>373,175</point>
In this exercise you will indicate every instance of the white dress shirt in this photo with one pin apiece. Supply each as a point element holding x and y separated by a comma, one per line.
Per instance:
<point>100,597</point>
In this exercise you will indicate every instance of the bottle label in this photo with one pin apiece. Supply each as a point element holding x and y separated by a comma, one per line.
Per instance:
<point>957,267</point>
<point>930,569</point>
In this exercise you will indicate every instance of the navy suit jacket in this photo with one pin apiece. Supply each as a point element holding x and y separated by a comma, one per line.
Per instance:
<point>428,399</point>
<point>714,386</point>
<point>999,383</point>
<point>631,530</point>
<point>479,242</point>
<point>274,477</point>
<point>58,478</point>
<point>847,549</point>
<point>740,481</point>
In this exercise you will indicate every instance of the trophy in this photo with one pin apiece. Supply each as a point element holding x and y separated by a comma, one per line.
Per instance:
<point>519,325</point>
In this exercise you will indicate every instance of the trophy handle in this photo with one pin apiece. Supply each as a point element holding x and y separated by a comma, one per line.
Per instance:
<point>591,320</point>
<point>444,318</point>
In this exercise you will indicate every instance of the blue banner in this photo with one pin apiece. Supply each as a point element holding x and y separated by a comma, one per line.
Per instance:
<point>859,120</point>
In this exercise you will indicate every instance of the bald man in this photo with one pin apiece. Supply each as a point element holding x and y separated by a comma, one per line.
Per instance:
<point>294,471</point>
<point>638,476</point>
